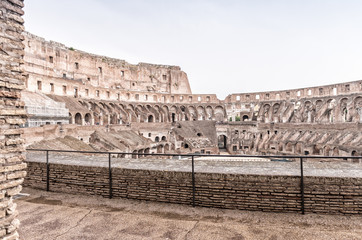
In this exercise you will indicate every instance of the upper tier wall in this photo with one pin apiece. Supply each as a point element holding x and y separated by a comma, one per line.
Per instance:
<point>332,90</point>
<point>55,60</point>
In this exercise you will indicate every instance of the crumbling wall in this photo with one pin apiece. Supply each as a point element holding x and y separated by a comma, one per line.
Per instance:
<point>12,114</point>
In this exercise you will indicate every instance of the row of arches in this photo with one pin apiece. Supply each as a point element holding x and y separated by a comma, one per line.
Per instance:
<point>328,110</point>
<point>102,113</point>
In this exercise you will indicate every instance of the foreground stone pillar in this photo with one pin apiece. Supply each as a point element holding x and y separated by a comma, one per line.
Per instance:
<point>12,114</point>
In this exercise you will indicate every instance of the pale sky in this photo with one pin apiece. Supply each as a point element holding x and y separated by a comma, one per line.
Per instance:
<point>224,46</point>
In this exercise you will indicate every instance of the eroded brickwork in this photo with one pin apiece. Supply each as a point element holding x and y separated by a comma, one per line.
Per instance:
<point>12,114</point>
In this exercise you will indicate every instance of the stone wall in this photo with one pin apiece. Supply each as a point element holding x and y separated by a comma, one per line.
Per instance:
<point>330,195</point>
<point>12,114</point>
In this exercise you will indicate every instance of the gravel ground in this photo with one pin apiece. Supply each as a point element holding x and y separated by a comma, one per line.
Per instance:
<point>48,215</point>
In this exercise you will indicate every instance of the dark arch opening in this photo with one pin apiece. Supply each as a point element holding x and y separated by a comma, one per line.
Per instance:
<point>157,139</point>
<point>150,118</point>
<point>245,118</point>
<point>221,142</point>
<point>78,119</point>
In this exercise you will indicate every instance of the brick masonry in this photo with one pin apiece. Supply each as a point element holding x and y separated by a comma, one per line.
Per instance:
<point>12,114</point>
<point>329,195</point>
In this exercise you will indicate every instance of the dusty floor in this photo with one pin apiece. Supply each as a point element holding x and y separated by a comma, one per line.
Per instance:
<point>47,215</point>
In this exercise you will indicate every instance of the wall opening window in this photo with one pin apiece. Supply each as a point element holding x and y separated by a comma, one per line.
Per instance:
<point>298,93</point>
<point>199,99</point>
<point>88,79</point>
<point>64,75</point>
<point>137,97</point>
<point>97,93</point>
<point>108,94</point>
<point>164,77</point>
<point>208,99</point>
<point>76,65</point>
<point>118,96</point>
<point>190,99</point>
<point>122,73</point>
<point>64,90</point>
<point>52,87</point>
<point>51,59</point>
<point>267,96</point>
<point>346,87</point>
<point>87,92</point>
<point>334,91</point>
<point>320,91</point>
<point>257,97</point>
<point>75,92</point>
<point>237,98</point>
<point>309,92</point>
<point>100,70</point>
<point>39,85</point>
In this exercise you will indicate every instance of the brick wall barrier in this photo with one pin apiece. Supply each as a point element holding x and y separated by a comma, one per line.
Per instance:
<point>330,195</point>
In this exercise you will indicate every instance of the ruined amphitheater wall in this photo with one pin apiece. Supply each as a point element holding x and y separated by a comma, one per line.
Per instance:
<point>12,114</point>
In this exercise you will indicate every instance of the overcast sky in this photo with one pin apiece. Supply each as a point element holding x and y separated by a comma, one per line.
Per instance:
<point>224,46</point>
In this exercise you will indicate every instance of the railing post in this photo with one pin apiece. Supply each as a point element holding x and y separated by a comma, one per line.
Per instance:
<point>48,168</point>
<point>302,184</point>
<point>193,180</point>
<point>110,175</point>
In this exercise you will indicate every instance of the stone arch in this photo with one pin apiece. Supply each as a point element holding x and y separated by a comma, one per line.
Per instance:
<point>160,148</point>
<point>163,138</point>
<point>219,113</point>
<point>245,118</point>
<point>78,119</point>
<point>193,113</point>
<point>88,119</point>
<point>289,147</point>
<point>335,152</point>
<point>157,139</point>
<point>167,147</point>
<point>209,113</point>
<point>200,113</point>
<point>150,118</point>
<point>327,151</point>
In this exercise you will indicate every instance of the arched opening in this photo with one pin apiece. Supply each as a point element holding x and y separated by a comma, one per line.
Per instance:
<point>159,149</point>
<point>245,118</point>
<point>163,138</point>
<point>199,134</point>
<point>186,145</point>
<point>289,147</point>
<point>354,153</point>
<point>140,153</point>
<point>157,139</point>
<point>88,119</point>
<point>78,119</point>
<point>150,118</point>
<point>335,152</point>
<point>114,119</point>
<point>167,147</point>
<point>221,141</point>
<point>173,116</point>
<point>147,150</point>
<point>134,155</point>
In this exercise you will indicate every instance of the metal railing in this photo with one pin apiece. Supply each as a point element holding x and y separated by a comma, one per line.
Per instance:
<point>301,159</point>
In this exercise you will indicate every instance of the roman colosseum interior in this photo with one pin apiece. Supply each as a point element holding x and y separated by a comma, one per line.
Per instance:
<point>108,104</point>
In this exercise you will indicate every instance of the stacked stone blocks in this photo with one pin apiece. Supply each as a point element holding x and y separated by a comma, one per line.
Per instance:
<point>330,195</point>
<point>12,114</point>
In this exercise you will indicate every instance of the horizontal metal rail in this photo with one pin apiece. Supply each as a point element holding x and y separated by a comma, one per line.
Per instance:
<point>199,155</point>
